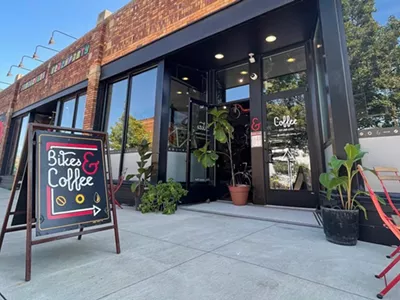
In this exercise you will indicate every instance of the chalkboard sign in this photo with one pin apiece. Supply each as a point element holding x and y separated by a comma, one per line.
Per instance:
<point>70,181</point>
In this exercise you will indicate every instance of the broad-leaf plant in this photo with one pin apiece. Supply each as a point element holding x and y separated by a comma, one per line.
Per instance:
<point>336,180</point>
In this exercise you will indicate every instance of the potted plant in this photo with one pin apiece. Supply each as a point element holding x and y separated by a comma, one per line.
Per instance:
<point>223,133</point>
<point>162,197</point>
<point>341,220</point>
<point>144,172</point>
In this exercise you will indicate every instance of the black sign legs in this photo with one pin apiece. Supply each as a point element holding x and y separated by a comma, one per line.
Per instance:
<point>63,186</point>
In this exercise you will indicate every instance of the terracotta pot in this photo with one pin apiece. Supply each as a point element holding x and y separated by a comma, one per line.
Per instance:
<point>239,194</point>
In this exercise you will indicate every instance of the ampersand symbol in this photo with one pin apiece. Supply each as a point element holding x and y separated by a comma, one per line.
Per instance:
<point>87,165</point>
<point>255,124</point>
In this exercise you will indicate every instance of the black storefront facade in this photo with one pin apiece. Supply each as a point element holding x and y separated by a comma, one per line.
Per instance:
<point>300,67</point>
<point>281,70</point>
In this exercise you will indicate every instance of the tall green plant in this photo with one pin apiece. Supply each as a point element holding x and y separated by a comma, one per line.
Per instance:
<point>223,133</point>
<point>144,173</point>
<point>334,179</point>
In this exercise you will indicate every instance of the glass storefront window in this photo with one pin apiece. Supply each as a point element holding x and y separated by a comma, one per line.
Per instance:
<point>117,93</point>
<point>20,144</point>
<point>141,117</point>
<point>233,84</point>
<point>284,71</point>
<point>67,116</point>
<point>73,112</point>
<point>80,111</point>
<point>139,109</point>
<point>322,82</point>
<point>178,132</point>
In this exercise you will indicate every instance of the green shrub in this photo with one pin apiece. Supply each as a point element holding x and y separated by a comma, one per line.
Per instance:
<point>162,197</point>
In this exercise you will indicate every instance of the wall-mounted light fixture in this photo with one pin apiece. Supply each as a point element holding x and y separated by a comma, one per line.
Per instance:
<point>21,63</point>
<point>51,41</point>
<point>9,71</point>
<point>35,56</point>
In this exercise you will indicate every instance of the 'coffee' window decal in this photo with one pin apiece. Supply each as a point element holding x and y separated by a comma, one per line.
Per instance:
<point>70,59</point>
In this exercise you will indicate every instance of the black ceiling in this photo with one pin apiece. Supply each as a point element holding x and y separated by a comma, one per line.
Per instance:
<point>291,24</point>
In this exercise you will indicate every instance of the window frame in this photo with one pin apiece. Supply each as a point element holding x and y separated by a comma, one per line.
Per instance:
<point>61,103</point>
<point>107,103</point>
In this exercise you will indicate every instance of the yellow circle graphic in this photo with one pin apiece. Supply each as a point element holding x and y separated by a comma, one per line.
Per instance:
<point>61,201</point>
<point>79,199</point>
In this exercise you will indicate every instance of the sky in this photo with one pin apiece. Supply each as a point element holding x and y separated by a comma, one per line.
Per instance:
<point>27,23</point>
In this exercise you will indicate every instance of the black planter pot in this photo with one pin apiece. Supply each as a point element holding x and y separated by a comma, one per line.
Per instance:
<point>341,226</point>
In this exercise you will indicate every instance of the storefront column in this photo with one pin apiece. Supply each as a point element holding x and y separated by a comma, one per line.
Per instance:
<point>344,122</point>
<point>161,123</point>
<point>13,94</point>
<point>257,150</point>
<point>91,97</point>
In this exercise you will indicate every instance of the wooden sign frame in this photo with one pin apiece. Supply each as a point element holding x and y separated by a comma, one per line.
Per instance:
<point>27,168</point>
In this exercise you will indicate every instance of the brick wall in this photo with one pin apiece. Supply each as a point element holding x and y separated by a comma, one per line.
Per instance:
<point>144,21</point>
<point>7,101</point>
<point>135,25</point>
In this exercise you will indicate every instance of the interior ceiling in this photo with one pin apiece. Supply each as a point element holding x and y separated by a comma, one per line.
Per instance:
<point>291,24</point>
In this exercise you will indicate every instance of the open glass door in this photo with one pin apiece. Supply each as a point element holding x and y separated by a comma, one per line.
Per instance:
<point>196,175</point>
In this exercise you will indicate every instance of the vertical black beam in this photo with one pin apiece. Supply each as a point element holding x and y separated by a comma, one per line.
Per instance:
<point>338,70</point>
<point>256,116</point>
<point>314,131</point>
<point>126,125</point>
<point>211,101</point>
<point>100,117</point>
<point>161,122</point>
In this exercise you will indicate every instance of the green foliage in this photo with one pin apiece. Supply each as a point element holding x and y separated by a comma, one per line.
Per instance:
<point>206,157</point>
<point>374,56</point>
<point>136,133</point>
<point>163,197</point>
<point>333,180</point>
<point>223,133</point>
<point>144,173</point>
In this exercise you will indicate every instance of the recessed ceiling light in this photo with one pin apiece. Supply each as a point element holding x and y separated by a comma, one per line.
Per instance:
<point>240,80</point>
<point>270,38</point>
<point>185,78</point>
<point>291,59</point>
<point>244,72</point>
<point>319,46</point>
<point>219,56</point>
<point>179,92</point>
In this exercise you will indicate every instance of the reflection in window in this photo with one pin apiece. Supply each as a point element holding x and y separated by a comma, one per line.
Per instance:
<point>67,116</point>
<point>289,167</point>
<point>372,33</point>
<point>20,144</point>
<point>80,112</point>
<point>322,78</point>
<point>233,84</point>
<point>284,71</point>
<point>178,132</point>
<point>73,112</point>
<point>141,116</point>
<point>115,126</point>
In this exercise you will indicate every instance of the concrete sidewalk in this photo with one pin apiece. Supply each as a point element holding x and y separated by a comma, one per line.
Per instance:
<point>192,255</point>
